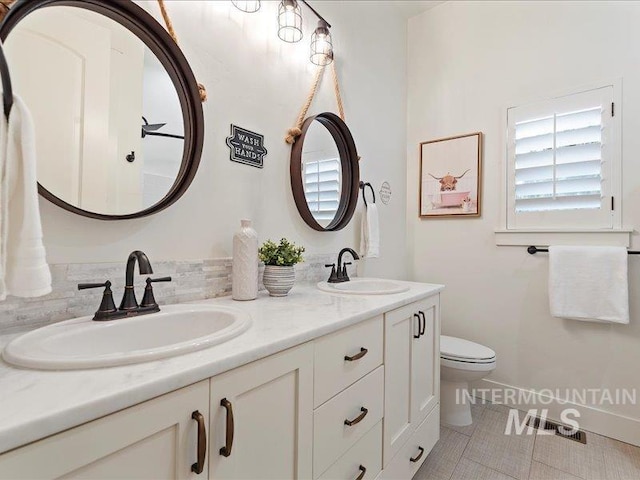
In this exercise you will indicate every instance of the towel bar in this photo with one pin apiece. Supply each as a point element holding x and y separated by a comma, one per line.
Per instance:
<point>533,250</point>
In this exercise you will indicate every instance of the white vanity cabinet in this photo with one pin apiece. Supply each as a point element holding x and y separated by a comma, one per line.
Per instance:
<point>361,403</point>
<point>262,418</point>
<point>157,440</point>
<point>412,380</point>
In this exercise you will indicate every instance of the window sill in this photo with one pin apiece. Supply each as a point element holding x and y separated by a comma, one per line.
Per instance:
<point>543,238</point>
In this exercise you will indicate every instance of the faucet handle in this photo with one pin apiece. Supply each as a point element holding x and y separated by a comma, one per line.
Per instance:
<point>345,274</point>
<point>85,286</point>
<point>107,306</point>
<point>149,300</point>
<point>161,279</point>
<point>333,278</point>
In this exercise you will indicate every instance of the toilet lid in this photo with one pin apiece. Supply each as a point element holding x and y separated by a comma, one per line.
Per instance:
<point>454,348</point>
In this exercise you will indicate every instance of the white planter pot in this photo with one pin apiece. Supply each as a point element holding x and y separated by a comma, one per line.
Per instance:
<point>278,280</point>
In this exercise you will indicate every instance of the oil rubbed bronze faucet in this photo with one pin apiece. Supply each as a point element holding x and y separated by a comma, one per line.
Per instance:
<point>129,305</point>
<point>129,301</point>
<point>340,275</point>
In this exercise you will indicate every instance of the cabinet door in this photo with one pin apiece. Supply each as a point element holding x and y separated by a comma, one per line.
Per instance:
<point>412,370</point>
<point>425,361</point>
<point>262,419</point>
<point>399,329</point>
<point>153,440</point>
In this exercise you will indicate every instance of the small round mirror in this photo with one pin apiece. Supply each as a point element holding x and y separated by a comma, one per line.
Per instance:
<point>114,103</point>
<point>325,173</point>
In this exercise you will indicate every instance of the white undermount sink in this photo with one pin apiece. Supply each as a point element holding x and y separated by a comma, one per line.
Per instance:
<point>84,343</point>
<point>364,286</point>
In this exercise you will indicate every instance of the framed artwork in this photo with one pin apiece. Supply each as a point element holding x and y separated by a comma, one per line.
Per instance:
<point>450,176</point>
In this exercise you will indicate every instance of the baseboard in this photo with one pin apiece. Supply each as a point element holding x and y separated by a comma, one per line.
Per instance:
<point>619,427</point>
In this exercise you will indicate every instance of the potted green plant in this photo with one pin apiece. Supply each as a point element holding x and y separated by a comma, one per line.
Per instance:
<point>279,259</point>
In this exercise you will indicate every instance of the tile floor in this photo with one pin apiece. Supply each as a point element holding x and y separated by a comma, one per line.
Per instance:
<point>482,451</point>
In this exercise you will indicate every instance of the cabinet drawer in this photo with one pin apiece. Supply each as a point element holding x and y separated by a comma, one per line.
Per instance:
<point>333,372</point>
<point>423,439</point>
<point>332,437</point>
<point>366,454</point>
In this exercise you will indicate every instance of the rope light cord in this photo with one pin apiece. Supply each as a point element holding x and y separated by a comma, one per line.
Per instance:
<point>336,89</point>
<point>167,21</point>
<point>294,132</point>
<point>5,6</point>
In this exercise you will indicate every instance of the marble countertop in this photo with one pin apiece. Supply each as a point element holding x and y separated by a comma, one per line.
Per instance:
<point>35,404</point>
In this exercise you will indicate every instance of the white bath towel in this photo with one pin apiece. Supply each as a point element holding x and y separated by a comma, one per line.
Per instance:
<point>370,232</point>
<point>25,272</point>
<point>589,283</point>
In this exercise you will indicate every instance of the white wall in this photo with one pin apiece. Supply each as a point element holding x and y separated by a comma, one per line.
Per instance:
<point>468,61</point>
<point>258,82</point>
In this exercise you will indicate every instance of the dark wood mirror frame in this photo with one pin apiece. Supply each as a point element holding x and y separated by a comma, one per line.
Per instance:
<point>147,29</point>
<point>350,172</point>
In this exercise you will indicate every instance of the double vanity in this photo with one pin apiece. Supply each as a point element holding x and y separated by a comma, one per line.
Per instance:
<point>338,380</point>
<point>314,385</point>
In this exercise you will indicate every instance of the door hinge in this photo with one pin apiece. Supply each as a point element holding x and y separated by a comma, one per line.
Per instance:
<point>613,109</point>
<point>612,205</point>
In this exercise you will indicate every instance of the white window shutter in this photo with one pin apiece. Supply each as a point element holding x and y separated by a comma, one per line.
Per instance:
<point>560,162</point>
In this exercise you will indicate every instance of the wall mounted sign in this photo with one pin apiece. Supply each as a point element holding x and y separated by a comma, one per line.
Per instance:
<point>246,147</point>
<point>385,193</point>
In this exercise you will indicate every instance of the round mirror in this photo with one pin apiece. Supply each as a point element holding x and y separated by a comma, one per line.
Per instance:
<point>325,173</point>
<point>116,108</point>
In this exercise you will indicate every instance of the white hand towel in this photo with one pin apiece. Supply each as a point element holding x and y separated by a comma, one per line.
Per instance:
<point>589,283</point>
<point>370,233</point>
<point>26,272</point>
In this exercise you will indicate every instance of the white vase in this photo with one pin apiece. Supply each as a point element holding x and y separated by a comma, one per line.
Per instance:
<point>244,285</point>
<point>278,280</point>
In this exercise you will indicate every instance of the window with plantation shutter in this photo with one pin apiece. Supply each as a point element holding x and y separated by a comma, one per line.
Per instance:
<point>322,188</point>
<point>562,156</point>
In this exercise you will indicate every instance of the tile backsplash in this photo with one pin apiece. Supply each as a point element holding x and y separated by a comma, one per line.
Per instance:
<point>192,280</point>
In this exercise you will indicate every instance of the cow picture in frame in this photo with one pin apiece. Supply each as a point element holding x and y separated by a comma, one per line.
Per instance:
<point>450,176</point>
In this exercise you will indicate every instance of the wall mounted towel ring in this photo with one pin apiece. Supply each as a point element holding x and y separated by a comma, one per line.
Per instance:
<point>7,92</point>
<point>364,197</point>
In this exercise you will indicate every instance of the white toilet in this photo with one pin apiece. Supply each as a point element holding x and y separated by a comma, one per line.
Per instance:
<point>461,362</point>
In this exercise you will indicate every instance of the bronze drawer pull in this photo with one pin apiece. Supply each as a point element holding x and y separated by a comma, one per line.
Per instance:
<point>358,419</point>
<point>424,323</point>
<point>226,450</point>
<point>198,467</point>
<point>363,470</point>
<point>416,459</point>
<point>419,326</point>
<point>357,356</point>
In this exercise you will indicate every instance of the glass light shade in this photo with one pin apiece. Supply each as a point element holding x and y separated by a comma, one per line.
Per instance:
<point>321,45</point>
<point>289,21</point>
<point>248,6</point>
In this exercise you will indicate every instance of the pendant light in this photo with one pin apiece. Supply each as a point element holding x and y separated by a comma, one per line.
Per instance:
<point>248,6</point>
<point>289,21</point>
<point>321,45</point>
